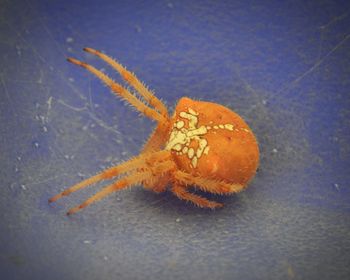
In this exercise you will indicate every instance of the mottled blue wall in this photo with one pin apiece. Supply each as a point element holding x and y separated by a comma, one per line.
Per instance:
<point>282,65</point>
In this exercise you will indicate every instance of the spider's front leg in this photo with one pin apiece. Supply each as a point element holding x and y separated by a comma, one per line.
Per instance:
<point>156,142</point>
<point>148,172</point>
<point>121,91</point>
<point>158,138</point>
<point>127,167</point>
<point>132,80</point>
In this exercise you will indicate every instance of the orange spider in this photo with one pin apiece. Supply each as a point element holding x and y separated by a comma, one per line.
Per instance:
<point>203,144</point>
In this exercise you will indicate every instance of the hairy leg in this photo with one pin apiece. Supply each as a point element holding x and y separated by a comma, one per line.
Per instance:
<point>140,161</point>
<point>129,180</point>
<point>207,185</point>
<point>132,80</point>
<point>155,143</point>
<point>157,184</point>
<point>181,192</point>
<point>158,138</point>
<point>118,185</point>
<point>121,91</point>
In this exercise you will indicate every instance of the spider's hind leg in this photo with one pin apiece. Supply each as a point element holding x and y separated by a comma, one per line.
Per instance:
<point>207,184</point>
<point>181,192</point>
<point>183,181</point>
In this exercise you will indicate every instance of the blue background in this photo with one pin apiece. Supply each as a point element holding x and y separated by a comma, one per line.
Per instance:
<point>284,67</point>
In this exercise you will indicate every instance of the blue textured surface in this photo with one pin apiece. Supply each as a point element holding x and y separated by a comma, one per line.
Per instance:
<point>284,67</point>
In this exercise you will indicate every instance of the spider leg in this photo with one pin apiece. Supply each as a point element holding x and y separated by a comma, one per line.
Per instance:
<point>157,184</point>
<point>121,91</point>
<point>132,80</point>
<point>181,192</point>
<point>207,184</point>
<point>120,184</point>
<point>137,162</point>
<point>156,142</point>
<point>158,138</point>
<point>161,175</point>
<point>129,180</point>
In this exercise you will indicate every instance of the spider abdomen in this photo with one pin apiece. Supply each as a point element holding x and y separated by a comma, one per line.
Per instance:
<point>210,140</point>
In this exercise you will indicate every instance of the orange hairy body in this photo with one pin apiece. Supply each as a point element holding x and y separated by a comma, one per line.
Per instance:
<point>203,144</point>
<point>231,152</point>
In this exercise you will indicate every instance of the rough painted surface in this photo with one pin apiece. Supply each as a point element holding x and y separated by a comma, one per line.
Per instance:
<point>284,67</point>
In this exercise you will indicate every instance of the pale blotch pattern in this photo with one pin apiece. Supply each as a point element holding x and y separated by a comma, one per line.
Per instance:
<point>180,137</point>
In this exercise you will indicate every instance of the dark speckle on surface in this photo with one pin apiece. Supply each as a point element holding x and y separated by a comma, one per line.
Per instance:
<point>283,66</point>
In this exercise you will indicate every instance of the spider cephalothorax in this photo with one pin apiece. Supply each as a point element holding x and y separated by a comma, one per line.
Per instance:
<point>203,144</point>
